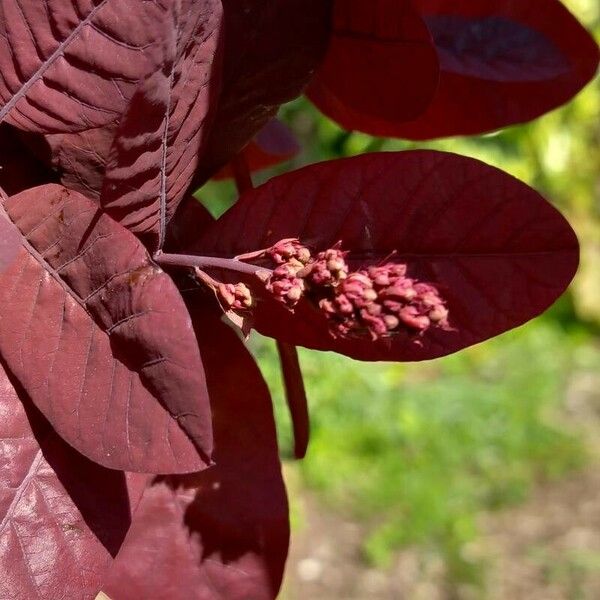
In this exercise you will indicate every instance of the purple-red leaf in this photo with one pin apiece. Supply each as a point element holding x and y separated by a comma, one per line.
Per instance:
<point>272,145</point>
<point>496,250</point>
<point>100,338</point>
<point>187,225</point>
<point>80,158</point>
<point>69,65</point>
<point>222,534</point>
<point>62,517</point>
<point>161,136</point>
<point>10,241</point>
<point>381,67</point>
<point>502,62</point>
<point>271,50</point>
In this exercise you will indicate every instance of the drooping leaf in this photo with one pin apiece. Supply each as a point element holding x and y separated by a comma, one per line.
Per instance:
<point>69,65</point>
<point>63,518</point>
<point>162,135</point>
<point>222,534</point>
<point>272,145</point>
<point>498,252</point>
<point>271,50</point>
<point>381,68</point>
<point>502,62</point>
<point>100,338</point>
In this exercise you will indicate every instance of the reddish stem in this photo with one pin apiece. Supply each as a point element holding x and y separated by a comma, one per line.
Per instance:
<point>206,262</point>
<point>295,396</point>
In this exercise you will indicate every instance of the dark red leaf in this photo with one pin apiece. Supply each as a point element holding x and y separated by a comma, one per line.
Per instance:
<point>381,68</point>
<point>62,517</point>
<point>10,241</point>
<point>100,338</point>
<point>272,48</point>
<point>502,62</point>
<point>272,145</point>
<point>69,65</point>
<point>80,158</point>
<point>161,136</point>
<point>187,225</point>
<point>498,252</point>
<point>222,534</point>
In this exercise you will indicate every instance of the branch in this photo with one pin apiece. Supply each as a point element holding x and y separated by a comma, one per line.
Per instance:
<point>296,396</point>
<point>206,262</point>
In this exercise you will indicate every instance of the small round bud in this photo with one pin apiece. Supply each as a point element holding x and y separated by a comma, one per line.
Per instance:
<point>294,294</point>
<point>234,296</point>
<point>438,314</point>
<point>391,322</point>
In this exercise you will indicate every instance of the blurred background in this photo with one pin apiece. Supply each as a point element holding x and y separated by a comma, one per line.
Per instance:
<point>472,477</point>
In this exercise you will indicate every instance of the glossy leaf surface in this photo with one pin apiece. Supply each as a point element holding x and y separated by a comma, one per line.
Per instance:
<point>222,534</point>
<point>69,65</point>
<point>502,62</point>
<point>497,251</point>
<point>62,517</point>
<point>100,338</point>
<point>381,67</point>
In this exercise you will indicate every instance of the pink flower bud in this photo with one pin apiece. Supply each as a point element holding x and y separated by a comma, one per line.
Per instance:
<point>379,302</point>
<point>438,315</point>
<point>328,268</point>
<point>375,325</point>
<point>410,316</point>
<point>294,294</point>
<point>234,296</point>
<point>391,322</point>
<point>344,305</point>
<point>285,285</point>
<point>376,302</point>
<point>288,249</point>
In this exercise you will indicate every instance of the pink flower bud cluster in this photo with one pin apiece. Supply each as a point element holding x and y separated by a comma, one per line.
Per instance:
<point>286,282</point>
<point>377,302</point>
<point>234,296</point>
<point>328,269</point>
<point>289,250</point>
<point>380,301</point>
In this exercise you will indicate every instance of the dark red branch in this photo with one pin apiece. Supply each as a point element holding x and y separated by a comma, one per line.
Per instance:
<point>295,396</point>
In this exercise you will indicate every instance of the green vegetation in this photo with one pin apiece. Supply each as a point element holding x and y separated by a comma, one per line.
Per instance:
<point>419,451</point>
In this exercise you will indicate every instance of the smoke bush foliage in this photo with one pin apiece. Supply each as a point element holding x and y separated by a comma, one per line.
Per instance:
<point>137,444</point>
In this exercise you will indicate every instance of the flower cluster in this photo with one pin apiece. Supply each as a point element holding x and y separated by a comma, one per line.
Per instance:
<point>287,282</point>
<point>328,269</point>
<point>380,301</point>
<point>234,296</point>
<point>377,301</point>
